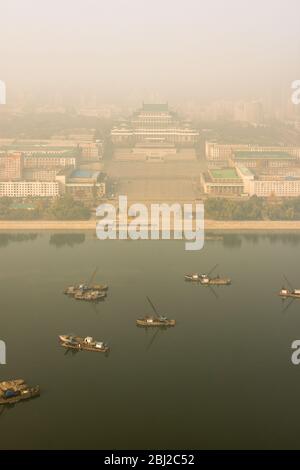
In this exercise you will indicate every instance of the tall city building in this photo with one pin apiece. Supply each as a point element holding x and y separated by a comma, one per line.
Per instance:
<point>249,111</point>
<point>11,166</point>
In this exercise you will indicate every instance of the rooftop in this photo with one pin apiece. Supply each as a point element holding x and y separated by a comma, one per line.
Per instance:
<point>263,155</point>
<point>84,174</point>
<point>37,147</point>
<point>224,173</point>
<point>245,171</point>
<point>63,154</point>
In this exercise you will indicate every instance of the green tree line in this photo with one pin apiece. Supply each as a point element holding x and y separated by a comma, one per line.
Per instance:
<point>63,208</point>
<point>252,209</point>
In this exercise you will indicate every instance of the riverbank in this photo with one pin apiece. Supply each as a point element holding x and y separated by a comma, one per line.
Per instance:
<point>221,225</point>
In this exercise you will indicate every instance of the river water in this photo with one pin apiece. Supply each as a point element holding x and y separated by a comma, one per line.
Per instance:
<point>222,378</point>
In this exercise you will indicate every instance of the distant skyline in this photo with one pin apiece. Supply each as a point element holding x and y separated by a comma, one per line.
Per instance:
<point>126,51</point>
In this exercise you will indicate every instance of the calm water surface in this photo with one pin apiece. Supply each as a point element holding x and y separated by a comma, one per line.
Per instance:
<point>222,378</point>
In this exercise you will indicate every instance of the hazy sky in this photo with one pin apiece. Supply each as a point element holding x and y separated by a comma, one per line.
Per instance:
<point>171,48</point>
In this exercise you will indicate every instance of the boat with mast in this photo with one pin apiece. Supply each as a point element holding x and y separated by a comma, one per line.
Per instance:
<point>290,291</point>
<point>155,320</point>
<point>206,279</point>
<point>87,290</point>
<point>83,344</point>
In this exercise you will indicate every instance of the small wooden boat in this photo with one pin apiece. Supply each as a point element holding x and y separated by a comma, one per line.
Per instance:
<point>290,292</point>
<point>206,280</point>
<point>13,391</point>
<point>72,290</point>
<point>154,320</point>
<point>285,293</point>
<point>83,344</point>
<point>87,290</point>
<point>90,295</point>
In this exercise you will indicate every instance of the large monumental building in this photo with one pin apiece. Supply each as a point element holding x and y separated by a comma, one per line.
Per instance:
<point>154,133</point>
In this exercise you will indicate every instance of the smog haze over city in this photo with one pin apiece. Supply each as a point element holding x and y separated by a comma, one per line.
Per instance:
<point>149,213</point>
<point>128,51</point>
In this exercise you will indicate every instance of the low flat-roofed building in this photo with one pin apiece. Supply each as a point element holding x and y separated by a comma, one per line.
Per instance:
<point>215,151</point>
<point>61,141</point>
<point>222,182</point>
<point>29,189</point>
<point>289,187</point>
<point>82,184</point>
<point>50,160</point>
<point>40,149</point>
<point>268,159</point>
<point>91,150</point>
<point>268,185</point>
<point>246,176</point>
<point>40,174</point>
<point>43,155</point>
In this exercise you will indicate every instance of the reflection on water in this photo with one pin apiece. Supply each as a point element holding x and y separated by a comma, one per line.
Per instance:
<point>66,239</point>
<point>235,240</point>
<point>229,239</point>
<point>292,239</point>
<point>7,238</point>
